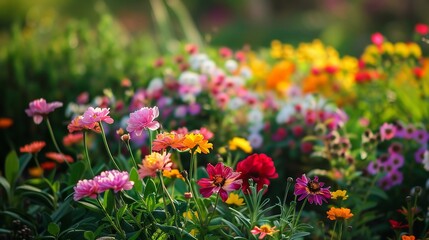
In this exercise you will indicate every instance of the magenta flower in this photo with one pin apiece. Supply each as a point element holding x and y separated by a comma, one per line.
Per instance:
<point>222,180</point>
<point>387,131</point>
<point>85,188</point>
<point>143,119</point>
<point>94,115</point>
<point>115,180</point>
<point>313,190</point>
<point>40,108</point>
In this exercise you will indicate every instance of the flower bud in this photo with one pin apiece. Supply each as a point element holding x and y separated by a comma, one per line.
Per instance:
<point>126,137</point>
<point>188,195</point>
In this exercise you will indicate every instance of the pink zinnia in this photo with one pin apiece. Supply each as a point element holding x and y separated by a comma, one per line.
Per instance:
<point>85,188</point>
<point>153,163</point>
<point>377,38</point>
<point>222,180</point>
<point>387,131</point>
<point>313,190</point>
<point>77,125</point>
<point>143,119</point>
<point>421,29</point>
<point>115,180</point>
<point>94,115</point>
<point>40,108</point>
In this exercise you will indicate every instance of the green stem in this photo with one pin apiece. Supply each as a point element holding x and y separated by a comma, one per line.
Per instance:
<point>164,200</point>
<point>333,230</point>
<point>131,154</point>
<point>299,213</point>
<point>111,220</point>
<point>85,146</point>
<point>55,141</point>
<point>340,232</point>
<point>214,209</point>
<point>286,192</point>
<point>103,134</point>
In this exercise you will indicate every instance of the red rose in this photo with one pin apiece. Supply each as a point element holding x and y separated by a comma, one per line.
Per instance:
<point>258,167</point>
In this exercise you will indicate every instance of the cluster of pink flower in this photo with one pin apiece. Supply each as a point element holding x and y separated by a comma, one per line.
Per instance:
<point>113,179</point>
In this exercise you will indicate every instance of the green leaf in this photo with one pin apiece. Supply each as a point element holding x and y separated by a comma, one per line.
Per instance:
<point>150,188</point>
<point>108,201</point>
<point>135,235</point>
<point>11,167</point>
<point>233,227</point>
<point>6,231</point>
<point>77,171</point>
<point>121,212</point>
<point>88,235</point>
<point>23,162</point>
<point>89,206</point>
<point>134,176</point>
<point>379,193</point>
<point>37,195</point>
<point>299,235</point>
<point>178,232</point>
<point>6,186</point>
<point>53,228</point>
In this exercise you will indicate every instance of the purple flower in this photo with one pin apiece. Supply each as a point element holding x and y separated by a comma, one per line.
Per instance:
<point>396,160</point>
<point>421,136</point>
<point>194,108</point>
<point>115,180</point>
<point>143,119</point>
<point>419,155</point>
<point>395,148</point>
<point>94,115</point>
<point>373,167</point>
<point>85,188</point>
<point>387,131</point>
<point>40,108</point>
<point>393,178</point>
<point>313,190</point>
<point>222,180</point>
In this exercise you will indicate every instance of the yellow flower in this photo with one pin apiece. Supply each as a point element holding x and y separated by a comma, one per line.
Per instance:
<point>339,194</point>
<point>240,143</point>
<point>196,139</point>
<point>388,48</point>
<point>221,150</point>
<point>339,213</point>
<point>173,173</point>
<point>415,50</point>
<point>233,198</point>
<point>402,50</point>
<point>263,231</point>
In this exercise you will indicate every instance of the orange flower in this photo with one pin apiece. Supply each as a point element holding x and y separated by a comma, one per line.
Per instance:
<point>408,237</point>
<point>165,140</point>
<point>280,76</point>
<point>35,171</point>
<point>5,122</point>
<point>173,173</point>
<point>264,230</point>
<point>339,213</point>
<point>197,140</point>
<point>47,165</point>
<point>71,139</point>
<point>33,147</point>
<point>58,157</point>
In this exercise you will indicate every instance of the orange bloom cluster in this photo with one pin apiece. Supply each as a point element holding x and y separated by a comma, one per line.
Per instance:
<point>339,213</point>
<point>72,138</point>
<point>180,142</point>
<point>33,147</point>
<point>5,122</point>
<point>58,157</point>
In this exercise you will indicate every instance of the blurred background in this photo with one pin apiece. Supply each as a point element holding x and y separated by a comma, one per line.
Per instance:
<point>346,25</point>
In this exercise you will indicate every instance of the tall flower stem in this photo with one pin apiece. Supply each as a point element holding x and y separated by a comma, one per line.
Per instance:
<point>299,213</point>
<point>48,123</point>
<point>333,230</point>
<point>103,134</point>
<point>165,190</point>
<point>131,153</point>
<point>85,146</point>
<point>214,209</point>
<point>118,229</point>
<point>340,232</point>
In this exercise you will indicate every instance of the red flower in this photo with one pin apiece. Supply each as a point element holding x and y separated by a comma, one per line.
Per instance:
<point>397,225</point>
<point>33,147</point>
<point>258,167</point>
<point>421,29</point>
<point>58,157</point>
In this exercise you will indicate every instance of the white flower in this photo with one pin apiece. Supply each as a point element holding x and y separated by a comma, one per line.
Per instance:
<point>284,114</point>
<point>231,65</point>
<point>246,72</point>
<point>426,160</point>
<point>208,67</point>
<point>255,140</point>
<point>196,60</point>
<point>256,127</point>
<point>235,103</point>
<point>255,116</point>
<point>155,84</point>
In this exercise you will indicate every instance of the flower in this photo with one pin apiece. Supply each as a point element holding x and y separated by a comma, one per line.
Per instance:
<point>240,143</point>
<point>85,188</point>
<point>93,115</point>
<point>264,230</point>
<point>387,131</point>
<point>40,108</point>
<point>165,140</point>
<point>47,165</point>
<point>197,139</point>
<point>35,171</point>
<point>222,180</point>
<point>173,173</point>
<point>33,147</point>
<point>144,118</point>
<point>77,125</point>
<point>377,38</point>
<point>311,189</point>
<point>5,122</point>
<point>408,237</point>
<point>115,180</point>
<point>235,199</point>
<point>339,213</point>
<point>421,29</point>
<point>72,138</point>
<point>153,163</point>
<point>397,225</point>
<point>58,157</point>
<point>339,194</point>
<point>258,167</point>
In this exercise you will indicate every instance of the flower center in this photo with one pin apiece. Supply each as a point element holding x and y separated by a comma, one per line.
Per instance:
<point>218,180</point>
<point>265,229</point>
<point>314,187</point>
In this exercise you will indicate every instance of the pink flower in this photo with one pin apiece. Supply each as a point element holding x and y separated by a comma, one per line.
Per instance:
<point>387,131</point>
<point>153,163</point>
<point>205,132</point>
<point>421,29</point>
<point>85,188</point>
<point>143,119</point>
<point>77,125</point>
<point>40,108</point>
<point>313,190</point>
<point>377,38</point>
<point>94,115</point>
<point>115,180</point>
<point>222,180</point>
